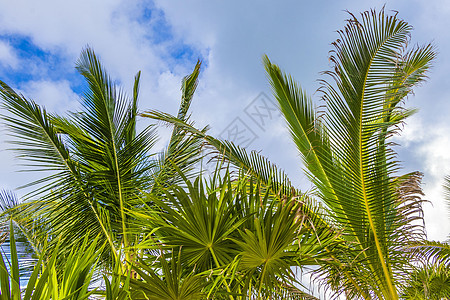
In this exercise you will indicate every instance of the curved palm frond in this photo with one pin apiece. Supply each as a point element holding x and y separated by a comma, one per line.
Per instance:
<point>38,143</point>
<point>253,163</point>
<point>345,149</point>
<point>48,280</point>
<point>436,252</point>
<point>184,149</point>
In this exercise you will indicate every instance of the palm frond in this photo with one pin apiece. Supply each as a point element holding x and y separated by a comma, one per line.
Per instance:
<point>345,148</point>
<point>99,164</point>
<point>447,191</point>
<point>253,163</point>
<point>184,149</point>
<point>170,283</point>
<point>432,251</point>
<point>431,281</point>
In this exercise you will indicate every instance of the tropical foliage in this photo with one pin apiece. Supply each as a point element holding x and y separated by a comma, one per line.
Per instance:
<point>47,281</point>
<point>348,155</point>
<point>100,165</point>
<point>112,220</point>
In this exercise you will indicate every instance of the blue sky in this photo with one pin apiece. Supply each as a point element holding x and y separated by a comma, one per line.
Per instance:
<point>40,42</point>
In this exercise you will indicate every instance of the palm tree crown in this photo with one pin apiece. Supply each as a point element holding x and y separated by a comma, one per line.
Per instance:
<point>100,164</point>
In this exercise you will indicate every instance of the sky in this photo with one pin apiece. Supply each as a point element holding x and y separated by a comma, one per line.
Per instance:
<point>40,42</point>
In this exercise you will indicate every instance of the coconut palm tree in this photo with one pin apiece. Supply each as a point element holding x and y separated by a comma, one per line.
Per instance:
<point>347,151</point>
<point>99,164</point>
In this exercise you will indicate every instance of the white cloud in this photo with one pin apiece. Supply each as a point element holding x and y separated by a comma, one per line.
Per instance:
<point>7,56</point>
<point>435,152</point>
<point>56,95</point>
<point>110,27</point>
<point>428,144</point>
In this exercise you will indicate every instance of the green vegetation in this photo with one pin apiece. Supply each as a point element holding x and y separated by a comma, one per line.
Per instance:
<point>114,221</point>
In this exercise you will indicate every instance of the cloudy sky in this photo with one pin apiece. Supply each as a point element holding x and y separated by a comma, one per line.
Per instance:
<point>40,42</point>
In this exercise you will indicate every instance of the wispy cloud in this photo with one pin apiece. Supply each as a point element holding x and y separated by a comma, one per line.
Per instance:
<point>8,58</point>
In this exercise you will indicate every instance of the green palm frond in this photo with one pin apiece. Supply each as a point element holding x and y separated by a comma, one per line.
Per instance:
<point>38,143</point>
<point>11,209</point>
<point>345,149</point>
<point>437,252</point>
<point>253,163</point>
<point>267,251</point>
<point>49,280</point>
<point>170,283</point>
<point>99,164</point>
<point>317,227</point>
<point>431,281</point>
<point>184,149</point>
<point>200,223</point>
<point>95,165</point>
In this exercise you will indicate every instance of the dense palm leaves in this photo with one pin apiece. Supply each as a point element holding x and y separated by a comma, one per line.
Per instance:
<point>99,163</point>
<point>171,283</point>
<point>429,282</point>
<point>233,230</point>
<point>70,281</point>
<point>241,234</point>
<point>105,186</point>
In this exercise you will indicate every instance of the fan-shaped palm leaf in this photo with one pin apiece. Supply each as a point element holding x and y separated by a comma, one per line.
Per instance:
<point>170,283</point>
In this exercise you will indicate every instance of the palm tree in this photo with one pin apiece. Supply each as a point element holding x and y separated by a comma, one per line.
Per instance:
<point>100,164</point>
<point>348,155</point>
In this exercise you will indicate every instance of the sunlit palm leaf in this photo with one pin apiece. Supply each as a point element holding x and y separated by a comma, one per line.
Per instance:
<point>184,149</point>
<point>100,165</point>
<point>345,151</point>
<point>98,161</point>
<point>267,248</point>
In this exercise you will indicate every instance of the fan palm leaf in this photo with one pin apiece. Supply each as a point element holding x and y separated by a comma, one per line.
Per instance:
<point>170,283</point>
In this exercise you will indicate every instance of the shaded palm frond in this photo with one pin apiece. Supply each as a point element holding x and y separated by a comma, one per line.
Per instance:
<point>170,283</point>
<point>432,281</point>
<point>436,252</point>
